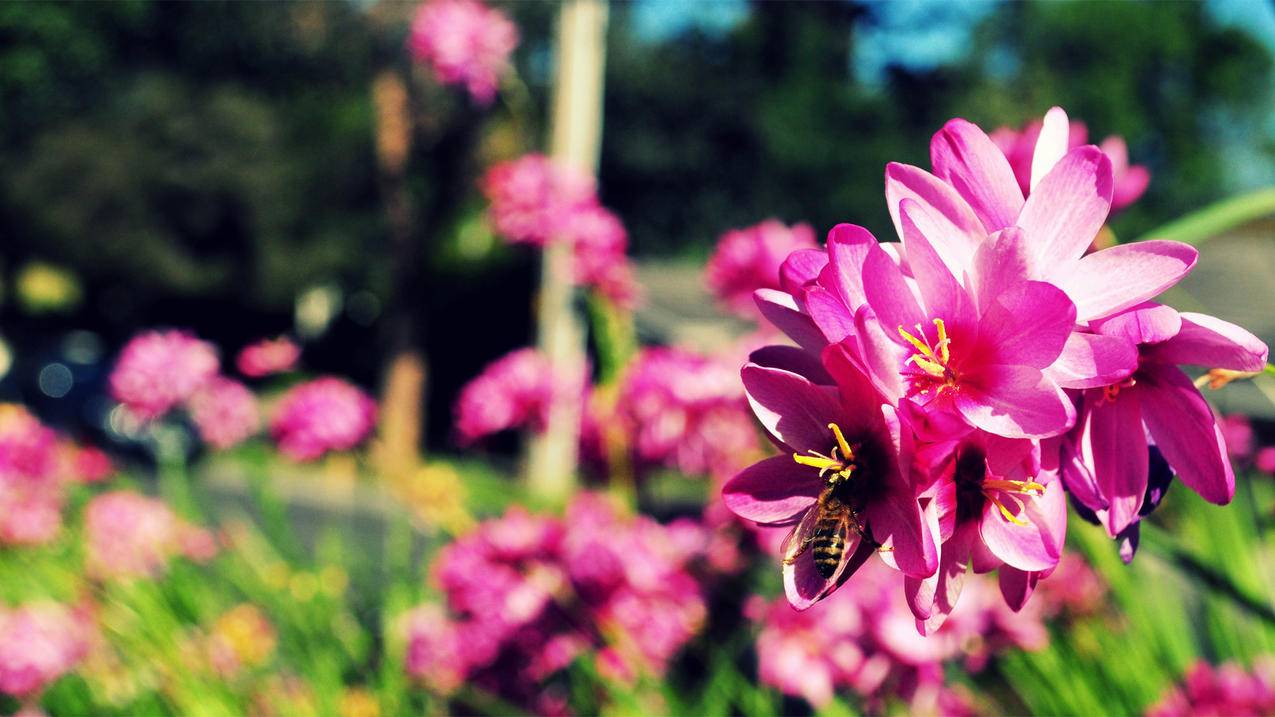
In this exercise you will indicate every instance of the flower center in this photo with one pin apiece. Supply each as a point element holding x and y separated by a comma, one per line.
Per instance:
<point>840,466</point>
<point>931,362</point>
<point>973,487</point>
<point>1109,393</point>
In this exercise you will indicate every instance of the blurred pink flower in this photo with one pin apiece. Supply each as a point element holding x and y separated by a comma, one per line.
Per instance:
<point>85,464</point>
<point>1265,460</point>
<point>31,481</point>
<point>533,199</point>
<point>749,259</point>
<point>268,356</point>
<point>1225,691</point>
<point>157,370</point>
<point>433,649</point>
<point>512,392</point>
<point>225,412</point>
<point>39,643</point>
<point>326,414</point>
<point>1020,145</point>
<point>466,43</point>
<point>599,242</point>
<point>129,535</point>
<point>1237,431</point>
<point>687,411</point>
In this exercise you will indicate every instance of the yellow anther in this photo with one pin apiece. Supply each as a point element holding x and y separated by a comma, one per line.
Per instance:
<point>1008,515</point>
<point>920,345</point>
<point>926,365</point>
<point>945,354</point>
<point>817,461</point>
<point>1014,486</point>
<point>846,453</point>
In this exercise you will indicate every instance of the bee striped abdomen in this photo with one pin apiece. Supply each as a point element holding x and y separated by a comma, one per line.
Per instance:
<point>828,543</point>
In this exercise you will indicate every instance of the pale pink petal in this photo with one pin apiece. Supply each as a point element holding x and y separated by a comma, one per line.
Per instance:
<point>1130,186</point>
<point>1033,546</point>
<point>941,293</point>
<point>1065,211</point>
<point>1208,341</point>
<point>1114,445</point>
<point>1078,476</point>
<point>848,248</point>
<point>1126,275</point>
<point>1093,360</point>
<point>795,411</point>
<point>1146,323</point>
<point>1186,432</point>
<point>1001,262</point>
<point>1027,324</point>
<point>889,295</point>
<point>895,521</point>
<point>775,490</point>
<point>1015,402</point>
<point>1051,145</point>
<point>834,320</point>
<point>937,594</point>
<point>964,156</point>
<point>881,355</point>
<point>781,310</point>
<point>961,232</point>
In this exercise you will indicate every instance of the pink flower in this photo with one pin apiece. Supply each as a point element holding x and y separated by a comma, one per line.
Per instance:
<point>465,43</point>
<point>846,448</point>
<point>268,356</point>
<point>687,411</point>
<point>599,241</point>
<point>748,259</point>
<point>433,649</point>
<point>1105,459</point>
<point>533,199</point>
<point>157,370</point>
<point>39,643</point>
<point>129,535</point>
<point>326,414</point>
<point>512,392</point>
<point>225,412</point>
<point>1265,460</point>
<point>31,484</point>
<point>1020,146</point>
<point>1237,431</point>
<point>1226,690</point>
<point>86,464</point>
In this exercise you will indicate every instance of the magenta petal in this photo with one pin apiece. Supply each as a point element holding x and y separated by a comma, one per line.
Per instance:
<point>943,588</point>
<point>795,411</point>
<point>1146,323</point>
<point>1051,144</point>
<point>1001,262</point>
<point>801,268</point>
<point>880,353</point>
<point>781,310</point>
<point>860,402</point>
<point>1125,275</point>
<point>793,359</point>
<point>775,490</point>
<point>1067,208</point>
<point>1016,586</point>
<point>1116,446</point>
<point>1016,402</point>
<point>1212,342</point>
<point>848,248</point>
<point>1186,431</point>
<point>1093,360</point>
<point>834,320</point>
<point>1027,324</point>
<point>896,522</point>
<point>889,295</point>
<point>960,230</point>
<point>941,293</point>
<point>1035,545</point>
<point>1078,475</point>
<point>968,159</point>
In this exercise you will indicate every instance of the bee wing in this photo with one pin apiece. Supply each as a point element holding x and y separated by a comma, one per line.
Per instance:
<point>798,539</point>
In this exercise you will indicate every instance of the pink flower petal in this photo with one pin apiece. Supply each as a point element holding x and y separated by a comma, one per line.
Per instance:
<point>1208,341</point>
<point>1001,262</point>
<point>1186,432</point>
<point>1033,546</point>
<point>803,585</point>
<point>936,595</point>
<point>781,310</point>
<point>1093,360</point>
<point>794,359</point>
<point>1146,323</point>
<point>1016,402</point>
<point>889,295</point>
<point>834,320</point>
<point>1016,585</point>
<point>1065,211</point>
<point>964,156</point>
<point>773,491</point>
<point>941,293</point>
<point>1051,145</point>
<point>1125,275</point>
<point>848,248</point>
<point>795,411</point>
<point>1027,324</point>
<point>1114,444</point>
<point>801,268</point>
<point>961,231</point>
<point>895,521</point>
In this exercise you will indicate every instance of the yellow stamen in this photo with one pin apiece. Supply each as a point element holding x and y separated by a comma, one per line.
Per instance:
<point>1008,515</point>
<point>817,461</point>
<point>1219,377</point>
<point>945,354</point>
<point>846,453</point>
<point>920,345</point>
<point>1013,486</point>
<point>927,365</point>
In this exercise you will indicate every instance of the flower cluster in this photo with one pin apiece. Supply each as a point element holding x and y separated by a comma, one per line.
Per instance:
<point>224,412</point>
<point>1019,146</point>
<point>326,414</point>
<point>1225,690</point>
<point>158,370</point>
<point>31,484</point>
<point>749,259</point>
<point>950,387</point>
<point>40,642</point>
<point>129,535</point>
<point>536,201</point>
<point>527,595</point>
<point>465,43</point>
<point>267,357</point>
<point>864,640</point>
<point>512,392</point>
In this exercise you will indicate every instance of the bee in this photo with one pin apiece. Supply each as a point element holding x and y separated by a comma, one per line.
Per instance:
<point>830,529</point>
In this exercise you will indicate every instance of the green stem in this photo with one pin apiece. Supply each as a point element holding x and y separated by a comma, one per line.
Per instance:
<point>174,476</point>
<point>1218,218</point>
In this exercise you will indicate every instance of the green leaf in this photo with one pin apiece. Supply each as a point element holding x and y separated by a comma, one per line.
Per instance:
<point>1215,219</point>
